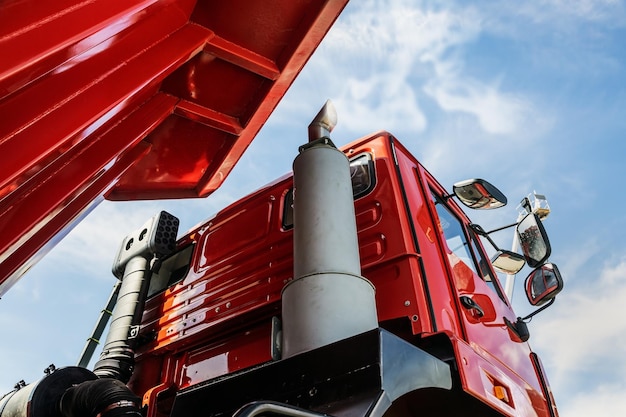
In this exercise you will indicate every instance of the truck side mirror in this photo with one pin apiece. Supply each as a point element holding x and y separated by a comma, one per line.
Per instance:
<point>508,262</point>
<point>543,284</point>
<point>533,240</point>
<point>479,194</point>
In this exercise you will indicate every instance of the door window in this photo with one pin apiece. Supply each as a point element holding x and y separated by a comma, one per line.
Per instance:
<point>464,249</point>
<point>455,238</point>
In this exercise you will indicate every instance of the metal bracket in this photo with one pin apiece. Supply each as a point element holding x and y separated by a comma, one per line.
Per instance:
<point>277,339</point>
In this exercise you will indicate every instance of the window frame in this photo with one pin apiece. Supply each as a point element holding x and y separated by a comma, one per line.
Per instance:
<point>473,245</point>
<point>287,211</point>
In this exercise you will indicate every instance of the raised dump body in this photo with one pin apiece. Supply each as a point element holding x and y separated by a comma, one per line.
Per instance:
<point>134,99</point>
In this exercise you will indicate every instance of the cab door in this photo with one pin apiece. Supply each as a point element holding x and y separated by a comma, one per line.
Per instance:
<point>494,364</point>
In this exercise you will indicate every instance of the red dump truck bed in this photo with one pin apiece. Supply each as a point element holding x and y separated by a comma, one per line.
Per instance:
<point>133,99</point>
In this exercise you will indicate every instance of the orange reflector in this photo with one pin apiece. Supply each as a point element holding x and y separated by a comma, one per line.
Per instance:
<point>501,393</point>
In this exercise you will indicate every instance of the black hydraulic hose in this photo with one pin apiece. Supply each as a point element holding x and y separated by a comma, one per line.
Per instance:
<point>105,397</point>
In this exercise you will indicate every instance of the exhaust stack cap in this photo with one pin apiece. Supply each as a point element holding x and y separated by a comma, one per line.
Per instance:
<point>324,122</point>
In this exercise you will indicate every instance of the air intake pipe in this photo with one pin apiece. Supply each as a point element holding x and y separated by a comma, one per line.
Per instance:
<point>100,398</point>
<point>328,299</point>
<point>71,392</point>
<point>78,392</point>
<point>136,258</point>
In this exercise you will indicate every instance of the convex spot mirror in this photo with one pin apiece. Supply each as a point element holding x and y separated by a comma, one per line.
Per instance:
<point>479,194</point>
<point>543,284</point>
<point>533,240</point>
<point>508,262</point>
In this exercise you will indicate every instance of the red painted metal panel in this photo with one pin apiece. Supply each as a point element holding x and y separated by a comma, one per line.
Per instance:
<point>235,288</point>
<point>441,294</point>
<point>178,165</point>
<point>34,38</point>
<point>71,67</point>
<point>21,256</point>
<point>480,375</point>
<point>84,174</point>
<point>309,29</point>
<point>488,354</point>
<point>219,314</point>
<point>80,97</point>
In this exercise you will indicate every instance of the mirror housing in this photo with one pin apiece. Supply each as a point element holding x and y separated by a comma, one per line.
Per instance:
<point>533,240</point>
<point>479,194</point>
<point>543,284</point>
<point>508,262</point>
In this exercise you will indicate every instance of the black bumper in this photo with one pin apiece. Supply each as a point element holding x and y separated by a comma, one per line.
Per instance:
<point>359,376</point>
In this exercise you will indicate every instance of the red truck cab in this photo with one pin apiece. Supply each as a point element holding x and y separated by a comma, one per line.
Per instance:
<point>214,306</point>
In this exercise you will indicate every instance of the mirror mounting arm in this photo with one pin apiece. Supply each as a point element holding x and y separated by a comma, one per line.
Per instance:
<point>481,232</point>
<point>447,197</point>
<point>539,310</point>
<point>504,261</point>
<point>508,226</point>
<point>520,328</point>
<point>525,203</point>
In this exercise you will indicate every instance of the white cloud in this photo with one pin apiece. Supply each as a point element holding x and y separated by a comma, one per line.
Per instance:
<point>93,242</point>
<point>594,10</point>
<point>386,59</point>
<point>602,400</point>
<point>368,105</point>
<point>498,113</point>
<point>584,330</point>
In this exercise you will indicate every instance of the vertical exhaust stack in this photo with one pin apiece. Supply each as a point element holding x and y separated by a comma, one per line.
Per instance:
<point>328,300</point>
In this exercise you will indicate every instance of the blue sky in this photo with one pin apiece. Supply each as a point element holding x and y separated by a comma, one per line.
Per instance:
<point>529,95</point>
